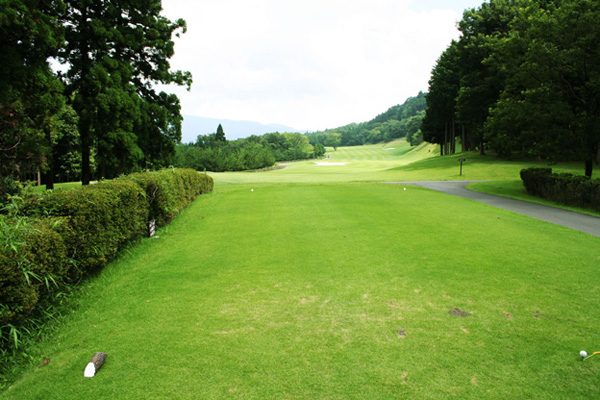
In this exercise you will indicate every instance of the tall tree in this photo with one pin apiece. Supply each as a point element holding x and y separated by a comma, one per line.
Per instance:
<point>116,51</point>
<point>220,135</point>
<point>480,83</point>
<point>441,100</point>
<point>30,95</point>
<point>551,103</point>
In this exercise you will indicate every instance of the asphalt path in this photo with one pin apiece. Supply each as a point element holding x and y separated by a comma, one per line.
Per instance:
<point>581,222</point>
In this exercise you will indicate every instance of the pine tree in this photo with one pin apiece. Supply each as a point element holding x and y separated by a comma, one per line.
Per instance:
<point>116,51</point>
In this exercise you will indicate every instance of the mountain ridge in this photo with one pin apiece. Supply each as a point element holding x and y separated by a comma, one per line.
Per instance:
<point>193,126</point>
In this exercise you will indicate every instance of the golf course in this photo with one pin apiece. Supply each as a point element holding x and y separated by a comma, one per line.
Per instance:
<point>316,280</point>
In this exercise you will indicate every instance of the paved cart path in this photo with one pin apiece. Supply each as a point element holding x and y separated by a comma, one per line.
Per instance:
<point>581,222</point>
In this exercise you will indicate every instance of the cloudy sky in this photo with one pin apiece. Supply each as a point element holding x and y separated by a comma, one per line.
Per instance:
<point>308,64</point>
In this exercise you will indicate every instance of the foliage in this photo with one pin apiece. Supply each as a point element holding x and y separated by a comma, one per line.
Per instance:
<point>52,242</point>
<point>214,153</point>
<point>127,47</point>
<point>99,220</point>
<point>555,115</point>
<point>169,191</point>
<point>522,79</point>
<point>399,121</point>
<point>115,52</point>
<point>30,94</point>
<point>438,123</point>
<point>563,188</point>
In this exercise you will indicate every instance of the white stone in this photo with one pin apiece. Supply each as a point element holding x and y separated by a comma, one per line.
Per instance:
<point>90,370</point>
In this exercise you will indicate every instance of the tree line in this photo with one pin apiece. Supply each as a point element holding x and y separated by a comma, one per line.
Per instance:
<point>400,121</point>
<point>215,153</point>
<point>93,113</point>
<point>523,79</point>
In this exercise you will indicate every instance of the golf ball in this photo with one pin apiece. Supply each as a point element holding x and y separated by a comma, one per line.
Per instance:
<point>583,353</point>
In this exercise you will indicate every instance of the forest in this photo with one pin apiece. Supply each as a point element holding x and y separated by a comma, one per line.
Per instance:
<point>523,80</point>
<point>215,153</point>
<point>402,120</point>
<point>77,89</point>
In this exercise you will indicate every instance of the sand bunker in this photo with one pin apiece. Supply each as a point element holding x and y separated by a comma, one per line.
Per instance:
<point>331,163</point>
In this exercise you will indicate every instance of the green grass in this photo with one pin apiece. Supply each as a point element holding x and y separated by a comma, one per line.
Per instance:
<point>60,186</point>
<point>335,290</point>
<point>395,161</point>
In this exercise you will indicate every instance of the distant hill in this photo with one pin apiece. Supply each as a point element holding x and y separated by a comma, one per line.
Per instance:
<point>402,120</point>
<point>194,126</point>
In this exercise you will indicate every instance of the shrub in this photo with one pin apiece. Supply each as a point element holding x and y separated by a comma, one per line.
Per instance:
<point>535,179</point>
<point>54,240</point>
<point>169,191</point>
<point>98,220</point>
<point>568,189</point>
<point>33,262</point>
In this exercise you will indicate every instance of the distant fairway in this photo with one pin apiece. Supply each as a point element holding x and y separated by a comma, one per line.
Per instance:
<point>396,161</point>
<point>310,282</point>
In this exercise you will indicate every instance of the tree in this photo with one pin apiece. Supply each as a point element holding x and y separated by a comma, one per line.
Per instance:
<point>334,139</point>
<point>220,136</point>
<point>66,146</point>
<point>299,148</point>
<point>116,51</point>
<point>444,85</point>
<point>551,103</point>
<point>319,150</point>
<point>413,129</point>
<point>30,95</point>
<point>480,82</point>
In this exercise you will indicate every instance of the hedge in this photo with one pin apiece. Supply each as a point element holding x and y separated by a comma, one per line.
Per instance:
<point>33,262</point>
<point>65,236</point>
<point>568,189</point>
<point>168,191</point>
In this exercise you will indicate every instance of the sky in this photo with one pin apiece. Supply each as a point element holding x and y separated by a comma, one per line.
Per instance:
<point>308,64</point>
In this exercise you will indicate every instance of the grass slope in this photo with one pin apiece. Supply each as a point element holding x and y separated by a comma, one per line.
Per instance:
<point>335,291</point>
<point>396,161</point>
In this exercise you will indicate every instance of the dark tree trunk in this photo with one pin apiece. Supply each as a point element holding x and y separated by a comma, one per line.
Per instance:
<point>84,131</point>
<point>84,121</point>
<point>589,167</point>
<point>50,174</point>
<point>453,138</point>
<point>446,138</point>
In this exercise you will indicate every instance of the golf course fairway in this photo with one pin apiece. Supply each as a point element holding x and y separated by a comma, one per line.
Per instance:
<point>333,290</point>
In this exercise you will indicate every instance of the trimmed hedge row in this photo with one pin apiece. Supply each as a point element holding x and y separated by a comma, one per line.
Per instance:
<point>168,192</point>
<point>568,189</point>
<point>68,235</point>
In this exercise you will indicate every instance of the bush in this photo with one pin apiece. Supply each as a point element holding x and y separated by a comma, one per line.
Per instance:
<point>33,263</point>
<point>169,191</point>
<point>98,220</point>
<point>64,236</point>
<point>568,189</point>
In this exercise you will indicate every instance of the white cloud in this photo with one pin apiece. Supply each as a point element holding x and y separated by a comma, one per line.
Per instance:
<point>310,64</point>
